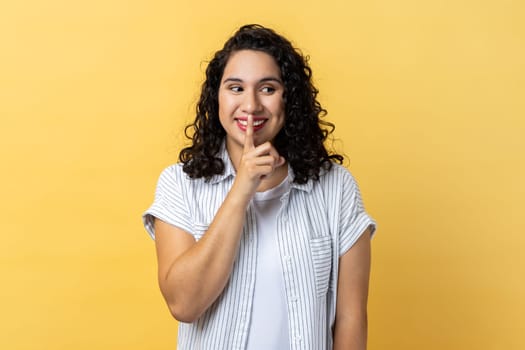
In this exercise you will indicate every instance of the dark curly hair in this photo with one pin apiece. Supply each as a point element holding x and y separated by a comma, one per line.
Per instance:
<point>300,141</point>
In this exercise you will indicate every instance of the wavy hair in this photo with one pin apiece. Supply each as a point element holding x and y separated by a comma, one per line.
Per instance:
<point>300,141</point>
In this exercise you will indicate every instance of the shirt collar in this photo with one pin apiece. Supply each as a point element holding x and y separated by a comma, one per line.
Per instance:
<point>307,187</point>
<point>229,170</point>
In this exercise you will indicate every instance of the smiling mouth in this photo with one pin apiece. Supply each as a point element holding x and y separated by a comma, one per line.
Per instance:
<point>257,124</point>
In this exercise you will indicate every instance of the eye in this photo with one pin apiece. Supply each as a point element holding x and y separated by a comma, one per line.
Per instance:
<point>235,88</point>
<point>268,90</point>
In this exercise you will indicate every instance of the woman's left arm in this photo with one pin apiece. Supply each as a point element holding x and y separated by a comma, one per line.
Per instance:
<point>350,332</point>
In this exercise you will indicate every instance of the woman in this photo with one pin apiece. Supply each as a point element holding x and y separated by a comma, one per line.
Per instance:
<point>262,240</point>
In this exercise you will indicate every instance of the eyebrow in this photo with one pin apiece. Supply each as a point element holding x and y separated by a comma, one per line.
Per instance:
<point>263,80</point>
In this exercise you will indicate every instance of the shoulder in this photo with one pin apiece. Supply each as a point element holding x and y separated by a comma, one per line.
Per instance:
<point>175,177</point>
<point>172,177</point>
<point>336,182</point>
<point>336,175</point>
<point>174,172</point>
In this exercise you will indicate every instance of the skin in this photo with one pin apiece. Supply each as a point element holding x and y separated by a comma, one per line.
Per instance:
<point>193,274</point>
<point>351,323</point>
<point>252,87</point>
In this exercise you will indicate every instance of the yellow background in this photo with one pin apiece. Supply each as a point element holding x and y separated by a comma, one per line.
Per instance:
<point>428,99</point>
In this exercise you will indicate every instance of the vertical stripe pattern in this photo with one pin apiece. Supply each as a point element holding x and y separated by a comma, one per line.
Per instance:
<point>317,223</point>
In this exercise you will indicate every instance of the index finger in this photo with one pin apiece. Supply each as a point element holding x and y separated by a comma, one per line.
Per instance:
<point>248,137</point>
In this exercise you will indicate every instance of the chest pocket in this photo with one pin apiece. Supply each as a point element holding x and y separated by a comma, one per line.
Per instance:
<point>321,248</point>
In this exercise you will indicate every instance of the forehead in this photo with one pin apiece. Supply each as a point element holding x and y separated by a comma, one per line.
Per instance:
<point>251,64</point>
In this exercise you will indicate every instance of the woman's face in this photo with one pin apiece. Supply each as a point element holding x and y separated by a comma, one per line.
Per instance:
<point>251,85</point>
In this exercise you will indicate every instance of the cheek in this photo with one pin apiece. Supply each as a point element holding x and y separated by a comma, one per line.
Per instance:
<point>276,106</point>
<point>281,110</point>
<point>226,104</point>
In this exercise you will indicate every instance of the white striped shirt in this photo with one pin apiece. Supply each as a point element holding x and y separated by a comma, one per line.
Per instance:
<point>318,222</point>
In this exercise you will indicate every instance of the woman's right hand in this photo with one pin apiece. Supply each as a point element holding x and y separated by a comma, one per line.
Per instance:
<point>256,164</point>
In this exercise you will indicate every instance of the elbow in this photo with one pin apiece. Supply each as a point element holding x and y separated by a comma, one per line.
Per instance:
<point>181,307</point>
<point>182,313</point>
<point>185,306</point>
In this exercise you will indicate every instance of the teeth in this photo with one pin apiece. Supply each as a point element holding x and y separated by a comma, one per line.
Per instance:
<point>255,123</point>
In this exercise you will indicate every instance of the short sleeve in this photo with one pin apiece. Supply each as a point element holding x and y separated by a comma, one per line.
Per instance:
<point>169,204</point>
<point>353,219</point>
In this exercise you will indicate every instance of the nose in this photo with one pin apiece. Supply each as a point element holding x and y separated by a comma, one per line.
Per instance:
<point>251,103</point>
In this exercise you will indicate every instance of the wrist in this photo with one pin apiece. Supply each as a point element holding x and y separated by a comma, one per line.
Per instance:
<point>240,196</point>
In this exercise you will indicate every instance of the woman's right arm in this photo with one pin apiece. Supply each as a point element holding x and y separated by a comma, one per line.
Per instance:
<point>193,274</point>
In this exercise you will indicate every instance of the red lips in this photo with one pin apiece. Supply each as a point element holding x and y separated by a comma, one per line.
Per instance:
<point>258,123</point>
